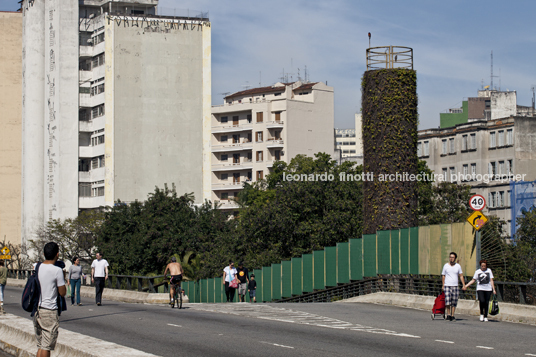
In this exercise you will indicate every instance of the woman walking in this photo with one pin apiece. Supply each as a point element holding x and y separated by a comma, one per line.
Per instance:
<point>229,274</point>
<point>74,280</point>
<point>484,288</point>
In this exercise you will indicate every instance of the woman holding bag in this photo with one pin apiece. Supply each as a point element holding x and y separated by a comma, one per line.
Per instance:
<point>230,281</point>
<point>484,288</point>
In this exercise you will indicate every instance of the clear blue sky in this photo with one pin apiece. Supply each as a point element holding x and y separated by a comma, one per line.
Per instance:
<point>452,41</point>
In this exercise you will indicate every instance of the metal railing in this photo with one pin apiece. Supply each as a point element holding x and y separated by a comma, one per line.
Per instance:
<point>520,293</point>
<point>389,57</point>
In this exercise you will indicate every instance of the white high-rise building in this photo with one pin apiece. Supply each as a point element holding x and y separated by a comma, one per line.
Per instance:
<point>116,101</point>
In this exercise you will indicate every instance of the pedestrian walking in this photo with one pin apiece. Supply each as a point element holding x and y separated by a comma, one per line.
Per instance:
<point>243,280</point>
<point>3,282</point>
<point>451,271</point>
<point>229,280</point>
<point>46,320</point>
<point>484,288</point>
<point>252,288</point>
<point>99,275</point>
<point>74,280</point>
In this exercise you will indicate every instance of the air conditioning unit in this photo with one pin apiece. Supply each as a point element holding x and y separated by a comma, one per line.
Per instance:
<point>91,16</point>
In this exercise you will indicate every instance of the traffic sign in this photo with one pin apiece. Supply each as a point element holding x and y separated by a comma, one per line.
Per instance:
<point>5,254</point>
<point>477,203</point>
<point>477,219</point>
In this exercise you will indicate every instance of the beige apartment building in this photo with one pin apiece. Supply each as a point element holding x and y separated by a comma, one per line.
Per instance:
<point>476,152</point>
<point>11,124</point>
<point>256,127</point>
<point>349,142</point>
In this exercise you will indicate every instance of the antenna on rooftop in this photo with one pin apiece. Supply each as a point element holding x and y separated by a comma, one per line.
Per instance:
<point>246,86</point>
<point>533,89</point>
<point>260,79</point>
<point>306,77</point>
<point>491,86</point>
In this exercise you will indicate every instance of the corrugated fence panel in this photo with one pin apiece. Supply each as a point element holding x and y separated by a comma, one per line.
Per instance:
<point>276,281</point>
<point>469,235</point>
<point>296,276</point>
<point>218,287</point>
<point>446,246</point>
<point>343,263</point>
<point>369,255</point>
<point>436,264</point>
<point>204,290</point>
<point>356,258</point>
<point>330,266</point>
<point>266,284</point>
<point>319,277</point>
<point>384,252</point>
<point>414,250</point>
<point>286,273</point>
<point>395,251</point>
<point>258,278</point>
<point>404,251</point>
<point>424,250</point>
<point>210,290</point>
<point>307,273</point>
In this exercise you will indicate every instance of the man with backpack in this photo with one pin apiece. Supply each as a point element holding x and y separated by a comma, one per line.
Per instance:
<point>46,319</point>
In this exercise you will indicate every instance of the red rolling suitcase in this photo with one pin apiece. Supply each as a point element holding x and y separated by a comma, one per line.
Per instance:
<point>439,306</point>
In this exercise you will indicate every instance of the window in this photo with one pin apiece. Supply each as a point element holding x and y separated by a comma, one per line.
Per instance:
<point>98,111</point>
<point>426,148</point>
<point>235,120</point>
<point>84,189</point>
<point>258,136</point>
<point>509,137</point>
<point>278,116</point>
<point>419,149</point>
<point>451,146</point>
<point>223,138</point>
<point>278,154</point>
<point>224,119</point>
<point>465,169</point>
<point>464,142</point>
<point>249,118</point>
<point>225,195</point>
<point>224,157</point>
<point>259,175</point>
<point>259,156</point>
<point>277,94</point>
<point>97,61</point>
<point>473,169</point>
<point>473,141</point>
<point>236,139</point>
<point>491,199</point>
<point>97,140</point>
<point>97,162</point>
<point>452,174</point>
<point>236,178</point>
<point>492,170</point>
<point>236,158</point>
<point>97,39</point>
<point>500,199</point>
<point>83,165</point>
<point>97,87</point>
<point>249,175</point>
<point>502,168</point>
<point>224,177</point>
<point>444,147</point>
<point>507,198</point>
<point>509,166</point>
<point>501,138</point>
<point>137,12</point>
<point>97,191</point>
<point>259,117</point>
<point>492,143</point>
<point>445,173</point>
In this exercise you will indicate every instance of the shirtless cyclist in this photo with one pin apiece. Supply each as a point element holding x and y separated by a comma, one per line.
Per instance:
<point>175,270</point>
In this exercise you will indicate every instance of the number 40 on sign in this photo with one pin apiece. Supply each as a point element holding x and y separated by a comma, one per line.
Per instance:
<point>477,203</point>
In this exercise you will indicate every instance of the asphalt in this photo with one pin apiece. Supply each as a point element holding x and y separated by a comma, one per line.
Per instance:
<point>352,329</point>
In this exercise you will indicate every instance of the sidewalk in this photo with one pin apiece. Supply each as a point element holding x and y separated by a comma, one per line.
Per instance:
<point>508,312</point>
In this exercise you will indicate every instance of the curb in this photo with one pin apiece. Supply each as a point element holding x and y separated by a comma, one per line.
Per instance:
<point>508,312</point>
<point>17,337</point>
<point>114,294</point>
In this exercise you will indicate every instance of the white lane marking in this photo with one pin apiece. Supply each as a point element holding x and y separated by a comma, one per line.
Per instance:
<point>276,344</point>
<point>529,354</point>
<point>484,347</point>
<point>444,341</point>
<point>174,325</point>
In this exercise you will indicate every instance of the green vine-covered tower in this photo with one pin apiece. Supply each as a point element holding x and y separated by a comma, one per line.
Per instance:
<point>389,109</point>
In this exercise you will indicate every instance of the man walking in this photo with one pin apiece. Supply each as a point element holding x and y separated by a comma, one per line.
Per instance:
<point>243,280</point>
<point>46,320</point>
<point>99,275</point>
<point>450,274</point>
<point>3,282</point>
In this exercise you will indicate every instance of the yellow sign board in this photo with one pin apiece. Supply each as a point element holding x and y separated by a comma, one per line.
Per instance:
<point>5,253</point>
<point>5,257</point>
<point>477,219</point>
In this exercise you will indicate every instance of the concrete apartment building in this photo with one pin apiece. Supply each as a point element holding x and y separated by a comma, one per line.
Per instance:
<point>484,147</point>
<point>11,124</point>
<point>349,142</point>
<point>256,127</point>
<point>116,101</point>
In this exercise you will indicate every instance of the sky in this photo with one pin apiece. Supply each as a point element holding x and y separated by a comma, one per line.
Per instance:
<point>253,42</point>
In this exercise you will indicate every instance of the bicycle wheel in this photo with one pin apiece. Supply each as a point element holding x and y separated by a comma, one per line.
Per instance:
<point>179,302</point>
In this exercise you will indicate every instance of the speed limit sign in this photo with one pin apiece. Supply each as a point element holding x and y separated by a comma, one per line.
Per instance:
<point>477,203</point>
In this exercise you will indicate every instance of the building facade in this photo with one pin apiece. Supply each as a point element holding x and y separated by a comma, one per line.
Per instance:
<point>256,127</point>
<point>486,154</point>
<point>11,124</point>
<point>117,101</point>
<point>349,142</point>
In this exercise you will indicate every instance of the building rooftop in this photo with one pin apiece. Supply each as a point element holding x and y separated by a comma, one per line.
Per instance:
<point>278,87</point>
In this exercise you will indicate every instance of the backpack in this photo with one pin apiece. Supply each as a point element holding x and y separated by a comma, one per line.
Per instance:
<point>32,292</point>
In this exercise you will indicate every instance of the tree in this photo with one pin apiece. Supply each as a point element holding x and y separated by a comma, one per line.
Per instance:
<point>522,254</point>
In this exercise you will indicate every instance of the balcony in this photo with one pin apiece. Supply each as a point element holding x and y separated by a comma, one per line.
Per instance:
<point>84,176</point>
<point>84,76</point>
<point>85,100</point>
<point>90,151</point>
<point>228,204</point>
<point>228,186</point>
<point>275,143</point>
<point>231,128</point>
<point>85,126</point>
<point>91,202</point>
<point>232,147</point>
<point>246,164</point>
<point>275,124</point>
<point>86,51</point>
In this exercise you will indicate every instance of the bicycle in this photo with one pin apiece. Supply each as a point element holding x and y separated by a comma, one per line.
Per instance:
<point>177,290</point>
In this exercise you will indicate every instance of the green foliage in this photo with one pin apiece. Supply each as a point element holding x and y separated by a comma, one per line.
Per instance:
<point>389,106</point>
<point>522,254</point>
<point>448,203</point>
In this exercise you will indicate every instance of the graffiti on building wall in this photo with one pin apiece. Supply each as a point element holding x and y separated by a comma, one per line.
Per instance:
<point>154,25</point>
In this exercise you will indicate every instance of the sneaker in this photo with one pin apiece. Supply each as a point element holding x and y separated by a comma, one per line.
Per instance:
<point>449,318</point>
<point>98,304</point>
<point>452,318</point>
<point>80,304</point>
<point>485,319</point>
<point>481,317</point>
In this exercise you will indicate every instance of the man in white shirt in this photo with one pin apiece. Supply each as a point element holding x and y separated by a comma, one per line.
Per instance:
<point>99,275</point>
<point>46,320</point>
<point>450,274</point>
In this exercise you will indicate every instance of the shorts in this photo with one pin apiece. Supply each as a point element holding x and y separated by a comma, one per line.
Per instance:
<point>242,288</point>
<point>176,279</point>
<point>46,325</point>
<point>451,295</point>
<point>252,294</point>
